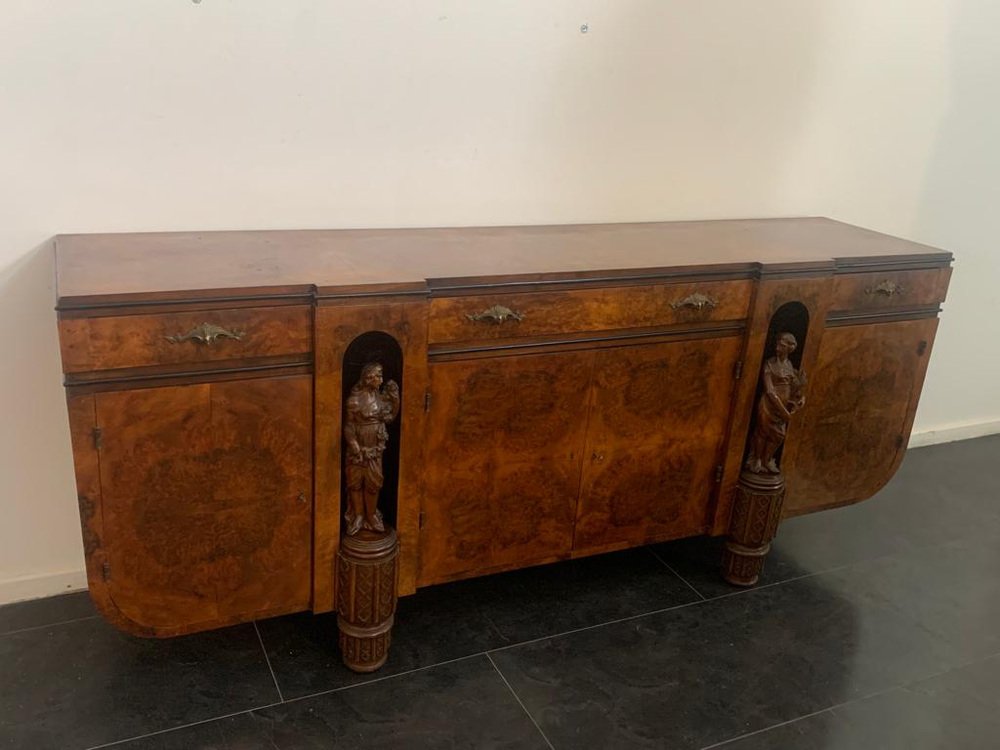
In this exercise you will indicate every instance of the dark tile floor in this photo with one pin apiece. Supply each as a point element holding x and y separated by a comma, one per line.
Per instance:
<point>876,626</point>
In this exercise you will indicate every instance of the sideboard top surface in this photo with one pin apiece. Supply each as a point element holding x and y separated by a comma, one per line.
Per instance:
<point>113,265</point>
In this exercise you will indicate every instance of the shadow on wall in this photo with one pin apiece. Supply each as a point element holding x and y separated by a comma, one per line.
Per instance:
<point>959,210</point>
<point>708,122</point>
<point>40,536</point>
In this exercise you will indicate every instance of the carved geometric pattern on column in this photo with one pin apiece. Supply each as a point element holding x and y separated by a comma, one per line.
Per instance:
<point>367,569</point>
<point>756,514</point>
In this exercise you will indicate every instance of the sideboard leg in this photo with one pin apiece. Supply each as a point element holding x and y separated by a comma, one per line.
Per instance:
<point>367,570</point>
<point>756,514</point>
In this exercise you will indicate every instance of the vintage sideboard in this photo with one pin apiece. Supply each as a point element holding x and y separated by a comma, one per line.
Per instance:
<point>564,390</point>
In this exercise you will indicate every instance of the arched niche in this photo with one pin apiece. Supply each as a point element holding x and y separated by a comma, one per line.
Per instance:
<point>376,346</point>
<point>793,318</point>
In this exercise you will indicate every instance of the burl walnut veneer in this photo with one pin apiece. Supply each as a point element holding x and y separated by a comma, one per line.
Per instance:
<point>270,422</point>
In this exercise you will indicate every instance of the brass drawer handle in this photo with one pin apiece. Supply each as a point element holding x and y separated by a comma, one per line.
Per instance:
<point>497,314</point>
<point>697,301</point>
<point>207,334</point>
<point>888,288</point>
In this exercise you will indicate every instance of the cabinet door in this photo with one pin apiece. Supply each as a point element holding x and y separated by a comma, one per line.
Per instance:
<point>856,422</point>
<point>206,501</point>
<point>656,429</point>
<point>503,462</point>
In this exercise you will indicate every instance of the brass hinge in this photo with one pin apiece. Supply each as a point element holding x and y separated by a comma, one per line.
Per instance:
<point>98,438</point>
<point>718,473</point>
<point>427,401</point>
<point>738,373</point>
<point>106,570</point>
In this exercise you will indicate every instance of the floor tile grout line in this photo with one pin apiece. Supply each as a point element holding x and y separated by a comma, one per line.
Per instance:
<point>739,737</point>
<point>542,638</point>
<point>183,726</point>
<point>685,580</point>
<point>519,701</point>
<point>267,658</point>
<point>705,600</point>
<point>487,655</point>
<point>833,708</point>
<point>829,709</point>
<point>597,625</point>
<point>375,680</point>
<point>48,625</point>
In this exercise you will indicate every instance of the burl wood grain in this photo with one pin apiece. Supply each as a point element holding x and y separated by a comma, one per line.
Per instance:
<point>589,310</point>
<point>503,454</point>
<point>655,436</point>
<point>207,501</point>
<point>90,344</point>
<point>862,399</point>
<point>889,290</point>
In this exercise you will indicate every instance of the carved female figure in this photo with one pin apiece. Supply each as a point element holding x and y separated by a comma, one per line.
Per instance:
<point>370,407</point>
<point>781,398</point>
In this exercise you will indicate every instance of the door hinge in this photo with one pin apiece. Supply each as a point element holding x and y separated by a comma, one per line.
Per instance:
<point>427,401</point>
<point>98,438</point>
<point>899,441</point>
<point>718,473</point>
<point>738,372</point>
<point>921,348</point>
<point>106,570</point>
<point>420,521</point>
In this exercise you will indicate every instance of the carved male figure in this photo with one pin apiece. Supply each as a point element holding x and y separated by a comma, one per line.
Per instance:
<point>370,407</point>
<point>781,398</point>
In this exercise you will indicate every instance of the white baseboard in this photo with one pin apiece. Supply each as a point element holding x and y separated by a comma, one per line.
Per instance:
<point>38,586</point>
<point>951,433</point>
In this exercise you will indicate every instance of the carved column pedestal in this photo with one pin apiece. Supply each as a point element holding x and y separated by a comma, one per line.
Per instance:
<point>367,568</point>
<point>754,523</point>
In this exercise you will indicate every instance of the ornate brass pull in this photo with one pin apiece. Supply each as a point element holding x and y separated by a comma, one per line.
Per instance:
<point>207,334</point>
<point>887,287</point>
<point>697,301</point>
<point>497,314</point>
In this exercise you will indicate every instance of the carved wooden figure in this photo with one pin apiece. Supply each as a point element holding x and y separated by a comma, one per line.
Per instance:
<point>367,564</point>
<point>370,407</point>
<point>760,494</point>
<point>781,397</point>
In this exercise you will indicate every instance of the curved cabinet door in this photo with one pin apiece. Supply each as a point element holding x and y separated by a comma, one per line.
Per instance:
<point>504,441</point>
<point>206,502</point>
<point>656,428</point>
<point>855,425</point>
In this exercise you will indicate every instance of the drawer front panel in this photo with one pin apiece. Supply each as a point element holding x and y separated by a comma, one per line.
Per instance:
<point>189,337</point>
<point>501,316</point>
<point>886,291</point>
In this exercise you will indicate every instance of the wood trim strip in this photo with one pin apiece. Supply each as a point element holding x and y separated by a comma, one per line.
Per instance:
<point>598,339</point>
<point>183,377</point>
<point>848,318</point>
<point>901,263</point>
<point>457,287</point>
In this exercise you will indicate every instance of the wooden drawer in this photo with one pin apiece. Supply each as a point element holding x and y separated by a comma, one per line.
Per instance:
<point>896,289</point>
<point>184,337</point>
<point>500,316</point>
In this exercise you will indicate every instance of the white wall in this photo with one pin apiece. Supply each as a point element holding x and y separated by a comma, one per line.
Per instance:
<point>121,115</point>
